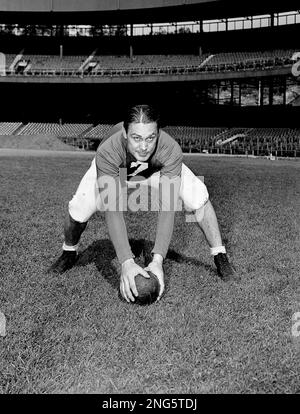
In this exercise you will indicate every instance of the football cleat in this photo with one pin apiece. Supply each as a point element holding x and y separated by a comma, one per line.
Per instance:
<point>65,262</point>
<point>226,271</point>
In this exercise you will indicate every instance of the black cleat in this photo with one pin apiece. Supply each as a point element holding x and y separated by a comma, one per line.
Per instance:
<point>226,271</point>
<point>64,262</point>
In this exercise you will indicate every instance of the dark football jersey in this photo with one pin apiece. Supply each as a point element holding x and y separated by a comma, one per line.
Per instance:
<point>112,155</point>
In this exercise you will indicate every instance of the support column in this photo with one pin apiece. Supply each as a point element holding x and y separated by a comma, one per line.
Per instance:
<point>201,26</point>
<point>260,93</point>
<point>130,46</point>
<point>231,92</point>
<point>131,52</point>
<point>271,91</point>
<point>206,94</point>
<point>61,31</point>
<point>240,94</point>
<point>284,90</point>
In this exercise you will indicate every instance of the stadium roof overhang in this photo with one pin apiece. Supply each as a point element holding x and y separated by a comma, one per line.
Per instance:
<point>133,11</point>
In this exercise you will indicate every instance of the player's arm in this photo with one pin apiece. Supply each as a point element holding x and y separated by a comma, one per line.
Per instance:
<point>111,193</point>
<point>118,235</point>
<point>169,194</point>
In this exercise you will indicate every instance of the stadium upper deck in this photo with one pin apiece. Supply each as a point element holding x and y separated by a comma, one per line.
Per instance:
<point>95,65</point>
<point>220,69</point>
<point>118,11</point>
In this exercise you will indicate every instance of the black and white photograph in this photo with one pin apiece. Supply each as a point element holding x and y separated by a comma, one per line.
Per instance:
<point>149,200</point>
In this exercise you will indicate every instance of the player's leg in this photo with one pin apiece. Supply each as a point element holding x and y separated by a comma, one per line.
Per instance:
<point>196,198</point>
<point>208,222</point>
<point>72,232</point>
<point>83,205</point>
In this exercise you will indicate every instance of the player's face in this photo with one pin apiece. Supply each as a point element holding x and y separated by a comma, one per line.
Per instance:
<point>141,140</point>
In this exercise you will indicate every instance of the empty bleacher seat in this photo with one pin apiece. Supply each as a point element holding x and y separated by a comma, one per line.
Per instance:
<point>112,65</point>
<point>8,128</point>
<point>99,131</point>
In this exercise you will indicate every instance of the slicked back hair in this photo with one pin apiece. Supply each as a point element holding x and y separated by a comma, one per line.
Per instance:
<point>141,114</point>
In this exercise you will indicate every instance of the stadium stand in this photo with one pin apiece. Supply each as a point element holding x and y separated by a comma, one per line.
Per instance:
<point>73,130</point>
<point>33,128</point>
<point>283,141</point>
<point>65,130</point>
<point>259,141</point>
<point>269,56</point>
<point>194,139</point>
<point>105,51</point>
<point>9,60</point>
<point>255,141</point>
<point>104,65</point>
<point>99,131</point>
<point>51,64</point>
<point>149,61</point>
<point>9,128</point>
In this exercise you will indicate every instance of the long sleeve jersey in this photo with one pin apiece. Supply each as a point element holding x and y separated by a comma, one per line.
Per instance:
<point>112,159</point>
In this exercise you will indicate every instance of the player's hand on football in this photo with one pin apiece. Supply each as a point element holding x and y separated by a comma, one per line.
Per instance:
<point>130,269</point>
<point>156,267</point>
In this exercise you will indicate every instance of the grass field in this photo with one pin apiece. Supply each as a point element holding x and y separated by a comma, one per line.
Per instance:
<point>73,334</point>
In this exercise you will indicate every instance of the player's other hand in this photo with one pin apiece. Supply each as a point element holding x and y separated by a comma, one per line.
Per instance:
<point>130,269</point>
<point>156,267</point>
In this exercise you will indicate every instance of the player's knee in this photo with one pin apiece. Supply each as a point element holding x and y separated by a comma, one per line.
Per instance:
<point>196,199</point>
<point>199,212</point>
<point>81,209</point>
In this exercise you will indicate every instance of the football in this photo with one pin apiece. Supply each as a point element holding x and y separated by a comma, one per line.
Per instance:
<point>148,289</point>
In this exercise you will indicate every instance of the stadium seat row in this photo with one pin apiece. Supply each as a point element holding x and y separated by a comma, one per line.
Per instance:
<point>101,65</point>
<point>191,139</point>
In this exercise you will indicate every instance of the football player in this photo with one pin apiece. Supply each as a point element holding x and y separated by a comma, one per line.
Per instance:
<point>147,154</point>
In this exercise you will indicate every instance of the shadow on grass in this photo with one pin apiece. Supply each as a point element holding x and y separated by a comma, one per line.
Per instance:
<point>102,254</point>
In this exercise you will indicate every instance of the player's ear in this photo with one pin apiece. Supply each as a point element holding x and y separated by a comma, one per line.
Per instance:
<point>124,133</point>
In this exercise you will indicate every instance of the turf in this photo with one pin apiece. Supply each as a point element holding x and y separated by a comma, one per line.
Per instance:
<point>73,334</point>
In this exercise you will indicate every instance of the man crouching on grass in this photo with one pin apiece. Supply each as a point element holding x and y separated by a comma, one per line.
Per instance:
<point>152,157</point>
